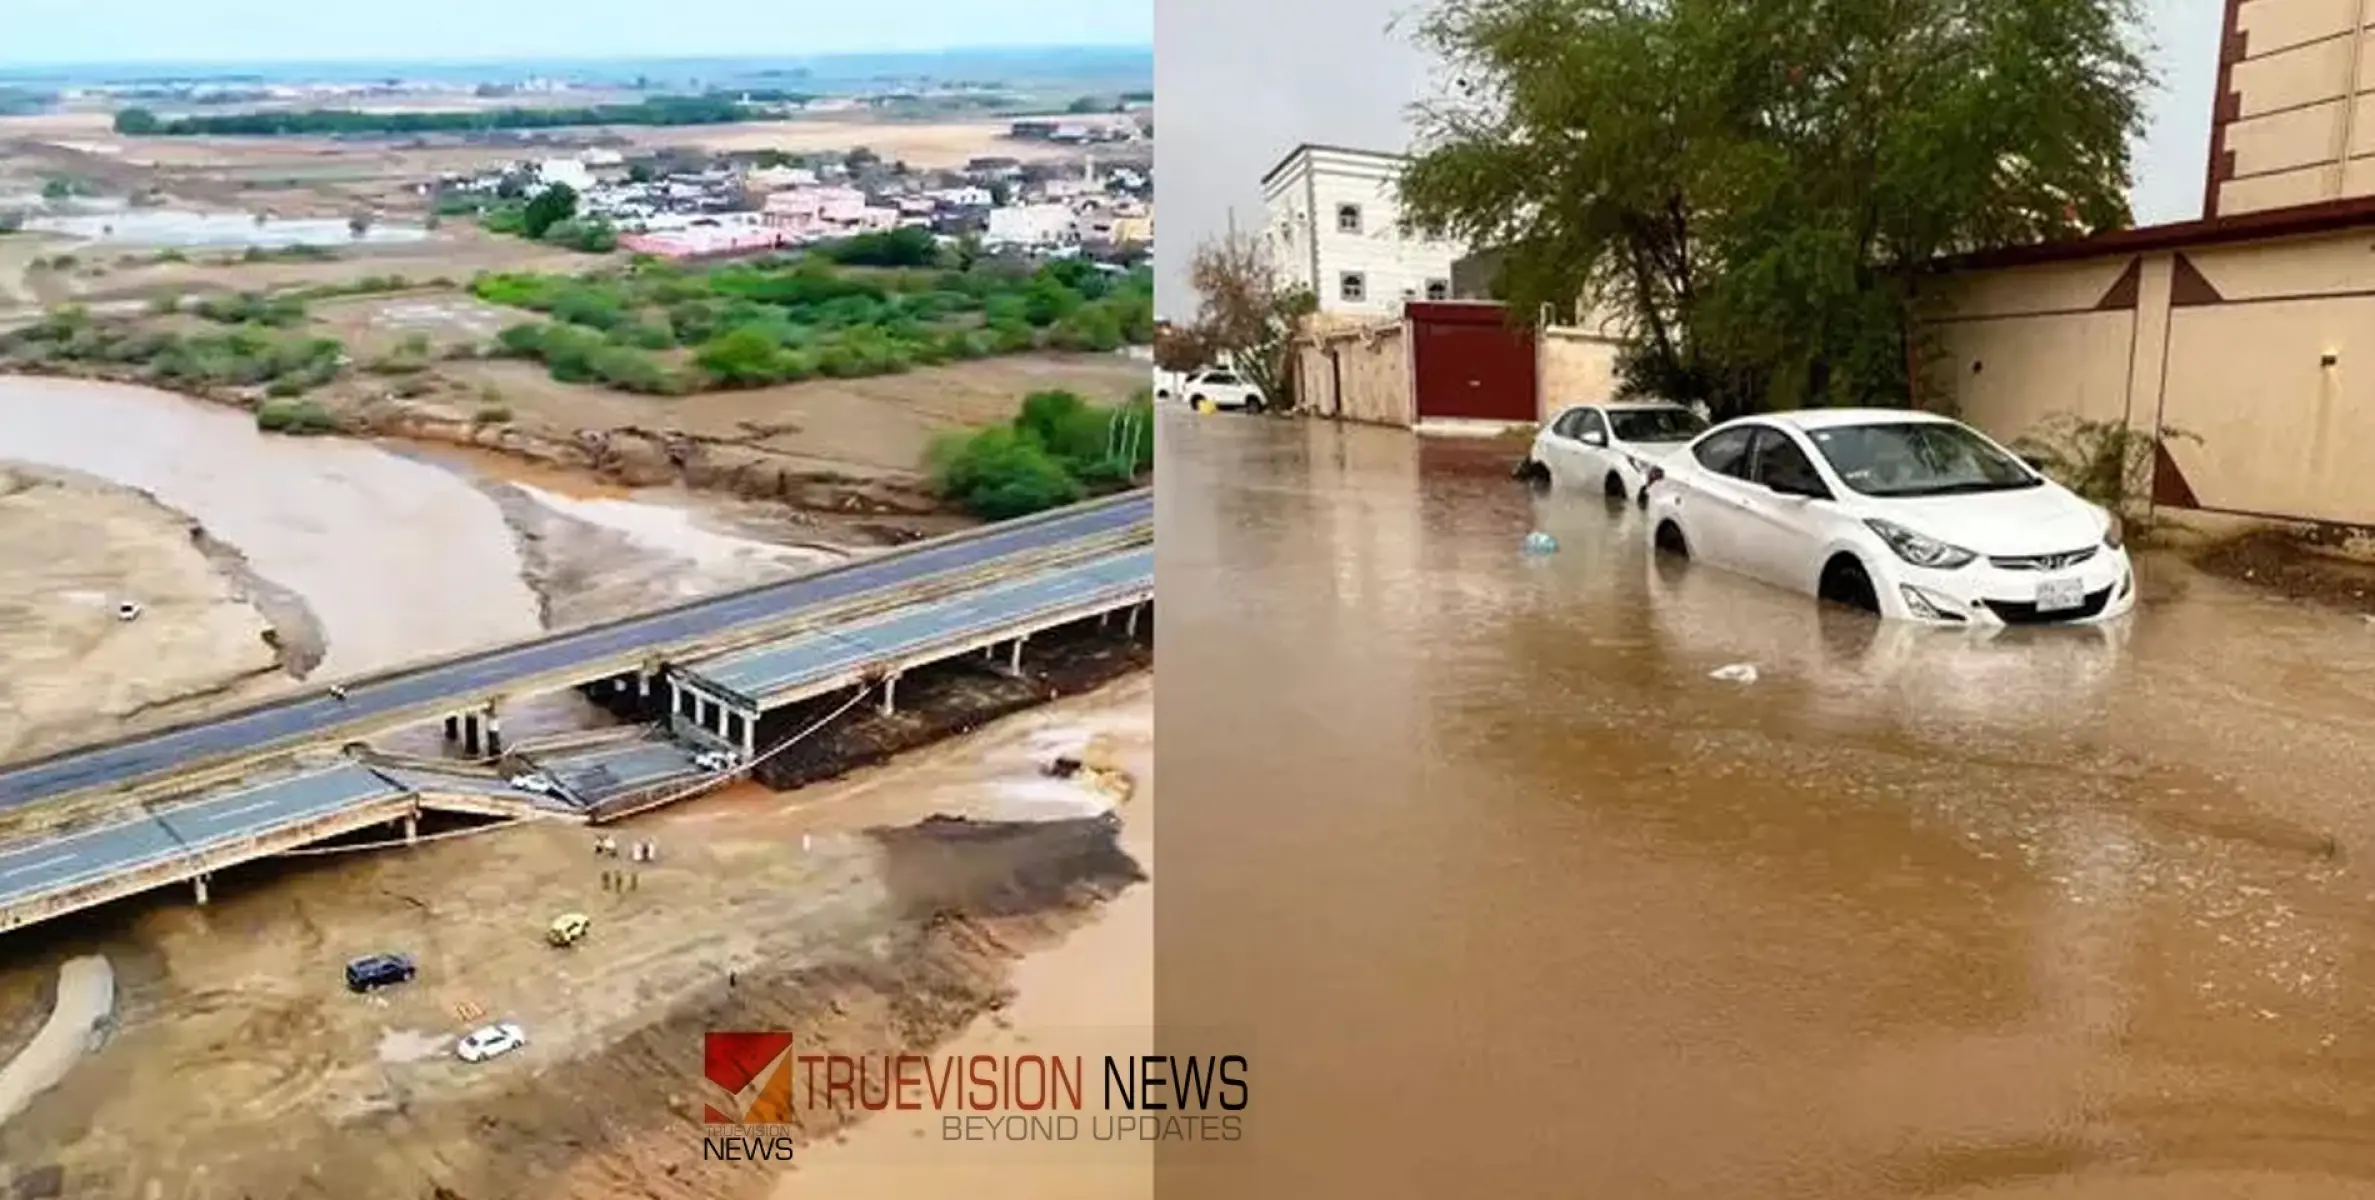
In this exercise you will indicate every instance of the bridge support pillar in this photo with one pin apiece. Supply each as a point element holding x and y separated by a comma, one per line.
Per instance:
<point>453,728</point>
<point>412,828</point>
<point>494,733</point>
<point>200,884</point>
<point>1014,661</point>
<point>750,738</point>
<point>470,735</point>
<point>890,694</point>
<point>1132,625</point>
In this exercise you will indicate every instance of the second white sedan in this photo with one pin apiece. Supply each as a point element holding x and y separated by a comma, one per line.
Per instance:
<point>1907,514</point>
<point>494,1041</point>
<point>1610,448</point>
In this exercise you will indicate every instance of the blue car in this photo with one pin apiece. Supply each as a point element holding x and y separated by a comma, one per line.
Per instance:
<point>378,971</point>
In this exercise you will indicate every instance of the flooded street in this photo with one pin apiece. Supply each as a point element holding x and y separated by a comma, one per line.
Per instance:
<point>1512,899</point>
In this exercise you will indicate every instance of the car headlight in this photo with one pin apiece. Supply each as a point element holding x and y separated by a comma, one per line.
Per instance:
<point>1639,464</point>
<point>1918,550</point>
<point>2115,531</point>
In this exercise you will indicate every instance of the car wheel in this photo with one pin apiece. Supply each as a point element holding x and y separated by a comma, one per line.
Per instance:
<point>1199,404</point>
<point>1533,473</point>
<point>1614,488</point>
<point>1670,541</point>
<point>1254,405</point>
<point>1845,583</point>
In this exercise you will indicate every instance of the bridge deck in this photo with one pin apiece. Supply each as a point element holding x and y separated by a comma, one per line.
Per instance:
<point>557,660</point>
<point>794,668</point>
<point>57,874</point>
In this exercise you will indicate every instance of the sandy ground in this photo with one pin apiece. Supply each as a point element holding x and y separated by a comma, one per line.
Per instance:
<point>878,426</point>
<point>78,1016</point>
<point>1092,995</point>
<point>241,1067</point>
<point>935,145</point>
<point>76,547</point>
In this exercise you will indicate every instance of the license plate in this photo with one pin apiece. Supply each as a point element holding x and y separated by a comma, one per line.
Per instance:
<point>2060,595</point>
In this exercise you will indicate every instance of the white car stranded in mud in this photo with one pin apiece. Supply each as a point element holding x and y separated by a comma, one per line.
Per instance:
<point>1906,514</point>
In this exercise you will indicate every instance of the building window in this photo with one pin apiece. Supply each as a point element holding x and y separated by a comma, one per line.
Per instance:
<point>1438,289</point>
<point>1348,218</point>
<point>1352,287</point>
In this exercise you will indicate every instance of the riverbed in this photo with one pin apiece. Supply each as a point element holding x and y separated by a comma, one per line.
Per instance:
<point>359,556</point>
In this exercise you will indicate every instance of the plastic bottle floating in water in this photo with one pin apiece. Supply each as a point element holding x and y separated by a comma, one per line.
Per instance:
<point>1539,542</point>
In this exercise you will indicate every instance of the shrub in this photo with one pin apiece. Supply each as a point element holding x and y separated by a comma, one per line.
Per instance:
<point>491,414</point>
<point>998,473</point>
<point>295,417</point>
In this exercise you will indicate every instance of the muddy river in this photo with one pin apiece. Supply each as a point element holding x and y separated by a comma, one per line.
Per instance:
<point>1545,910</point>
<point>397,559</point>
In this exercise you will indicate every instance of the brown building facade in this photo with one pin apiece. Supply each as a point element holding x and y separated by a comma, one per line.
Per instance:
<point>2244,341</point>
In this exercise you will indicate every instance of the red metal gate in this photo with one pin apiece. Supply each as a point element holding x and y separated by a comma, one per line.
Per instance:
<point>1469,364</point>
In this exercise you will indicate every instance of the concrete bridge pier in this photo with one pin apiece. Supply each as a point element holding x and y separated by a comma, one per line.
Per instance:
<point>1131,626</point>
<point>453,728</point>
<point>1014,661</point>
<point>412,827</point>
<point>200,882</point>
<point>470,735</point>
<point>494,733</point>
<point>890,693</point>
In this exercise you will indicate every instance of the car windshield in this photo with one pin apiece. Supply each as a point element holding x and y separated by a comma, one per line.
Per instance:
<point>1655,424</point>
<point>1919,458</point>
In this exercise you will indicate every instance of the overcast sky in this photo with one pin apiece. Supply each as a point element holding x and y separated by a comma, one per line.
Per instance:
<point>1244,81</point>
<point>111,31</point>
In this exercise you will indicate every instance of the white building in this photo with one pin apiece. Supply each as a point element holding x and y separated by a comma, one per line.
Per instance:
<point>1037,225</point>
<point>1334,226</point>
<point>567,171</point>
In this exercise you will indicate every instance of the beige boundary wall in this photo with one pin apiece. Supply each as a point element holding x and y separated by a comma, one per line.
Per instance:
<point>2257,356</point>
<point>1356,371</point>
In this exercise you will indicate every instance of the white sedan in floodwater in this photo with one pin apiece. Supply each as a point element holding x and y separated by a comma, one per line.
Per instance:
<point>1906,514</point>
<point>1610,448</point>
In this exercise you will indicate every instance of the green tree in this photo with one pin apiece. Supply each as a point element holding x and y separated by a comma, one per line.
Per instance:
<point>1755,188</point>
<point>551,206</point>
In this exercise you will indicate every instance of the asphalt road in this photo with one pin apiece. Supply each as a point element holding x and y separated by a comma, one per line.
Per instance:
<point>781,668</point>
<point>295,720</point>
<point>31,868</point>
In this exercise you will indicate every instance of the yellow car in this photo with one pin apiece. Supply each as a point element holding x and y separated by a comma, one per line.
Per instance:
<point>567,929</point>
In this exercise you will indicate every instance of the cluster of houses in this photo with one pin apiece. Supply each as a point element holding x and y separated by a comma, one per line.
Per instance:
<point>727,207</point>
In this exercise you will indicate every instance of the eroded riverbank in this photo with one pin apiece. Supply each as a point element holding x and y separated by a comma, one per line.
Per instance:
<point>261,560</point>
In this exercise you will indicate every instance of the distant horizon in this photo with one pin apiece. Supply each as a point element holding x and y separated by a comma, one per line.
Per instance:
<point>992,49</point>
<point>53,35</point>
<point>393,65</point>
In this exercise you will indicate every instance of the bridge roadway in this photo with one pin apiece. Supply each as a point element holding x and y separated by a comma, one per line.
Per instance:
<point>46,876</point>
<point>318,717</point>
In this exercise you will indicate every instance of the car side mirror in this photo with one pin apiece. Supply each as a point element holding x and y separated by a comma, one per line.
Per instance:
<point>1594,437</point>
<point>1805,489</point>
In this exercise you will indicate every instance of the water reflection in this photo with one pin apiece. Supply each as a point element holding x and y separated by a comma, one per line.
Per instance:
<point>199,230</point>
<point>1916,913</point>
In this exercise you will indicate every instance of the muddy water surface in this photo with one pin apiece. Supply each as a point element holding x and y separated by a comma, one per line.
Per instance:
<point>397,559</point>
<point>1515,900</point>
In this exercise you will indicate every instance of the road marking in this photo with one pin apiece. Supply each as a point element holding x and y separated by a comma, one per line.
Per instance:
<point>233,812</point>
<point>51,861</point>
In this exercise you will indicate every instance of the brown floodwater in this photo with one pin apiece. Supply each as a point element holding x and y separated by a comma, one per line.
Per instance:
<point>1507,897</point>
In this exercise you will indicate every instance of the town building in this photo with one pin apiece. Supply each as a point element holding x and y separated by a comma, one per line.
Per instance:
<point>1333,225</point>
<point>2241,345</point>
<point>566,172</point>
<point>1033,226</point>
